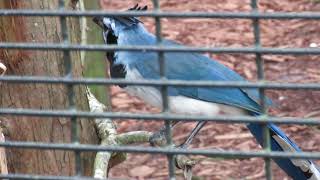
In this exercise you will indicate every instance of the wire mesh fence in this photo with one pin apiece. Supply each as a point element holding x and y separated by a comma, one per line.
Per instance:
<point>73,114</point>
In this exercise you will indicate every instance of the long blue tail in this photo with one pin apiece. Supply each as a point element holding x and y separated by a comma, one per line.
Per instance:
<point>298,169</point>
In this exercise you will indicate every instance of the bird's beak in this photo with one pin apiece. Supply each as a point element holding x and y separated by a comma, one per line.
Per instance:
<point>99,21</point>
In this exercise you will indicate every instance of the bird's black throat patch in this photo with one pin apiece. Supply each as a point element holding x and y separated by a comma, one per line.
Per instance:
<point>116,70</point>
<point>111,40</point>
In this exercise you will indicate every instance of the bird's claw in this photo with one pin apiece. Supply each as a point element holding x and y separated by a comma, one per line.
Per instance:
<point>186,164</point>
<point>158,139</point>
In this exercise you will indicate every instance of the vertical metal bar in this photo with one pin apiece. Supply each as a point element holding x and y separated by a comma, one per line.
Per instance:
<point>70,90</point>
<point>164,90</point>
<point>259,62</point>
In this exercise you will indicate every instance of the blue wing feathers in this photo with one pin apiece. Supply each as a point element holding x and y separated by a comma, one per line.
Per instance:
<point>191,66</point>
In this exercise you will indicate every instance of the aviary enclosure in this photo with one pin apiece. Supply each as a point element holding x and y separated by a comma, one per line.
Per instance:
<point>59,106</point>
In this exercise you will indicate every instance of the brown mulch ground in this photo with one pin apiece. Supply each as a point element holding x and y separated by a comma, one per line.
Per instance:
<point>279,68</point>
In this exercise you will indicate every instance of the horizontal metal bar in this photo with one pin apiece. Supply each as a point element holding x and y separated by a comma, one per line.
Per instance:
<point>224,15</point>
<point>159,116</point>
<point>91,47</point>
<point>155,150</point>
<point>181,83</point>
<point>44,177</point>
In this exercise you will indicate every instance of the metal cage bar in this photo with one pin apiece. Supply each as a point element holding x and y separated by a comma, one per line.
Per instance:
<point>220,50</point>
<point>182,83</point>
<point>219,15</point>
<point>260,72</point>
<point>159,116</point>
<point>165,151</point>
<point>70,82</point>
<point>164,90</point>
<point>70,89</point>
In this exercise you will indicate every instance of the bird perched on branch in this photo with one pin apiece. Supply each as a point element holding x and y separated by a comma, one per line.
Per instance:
<point>211,101</point>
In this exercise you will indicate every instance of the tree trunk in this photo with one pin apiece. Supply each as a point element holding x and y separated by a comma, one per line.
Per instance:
<point>41,96</point>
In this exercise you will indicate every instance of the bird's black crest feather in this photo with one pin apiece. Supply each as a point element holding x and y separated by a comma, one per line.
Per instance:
<point>129,21</point>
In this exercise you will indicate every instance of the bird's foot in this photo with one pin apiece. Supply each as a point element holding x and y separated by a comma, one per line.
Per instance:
<point>186,164</point>
<point>158,138</point>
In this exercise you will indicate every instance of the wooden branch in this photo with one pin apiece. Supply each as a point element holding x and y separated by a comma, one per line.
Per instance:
<point>108,134</point>
<point>134,137</point>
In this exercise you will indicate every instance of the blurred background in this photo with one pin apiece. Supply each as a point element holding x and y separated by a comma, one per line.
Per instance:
<point>230,33</point>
